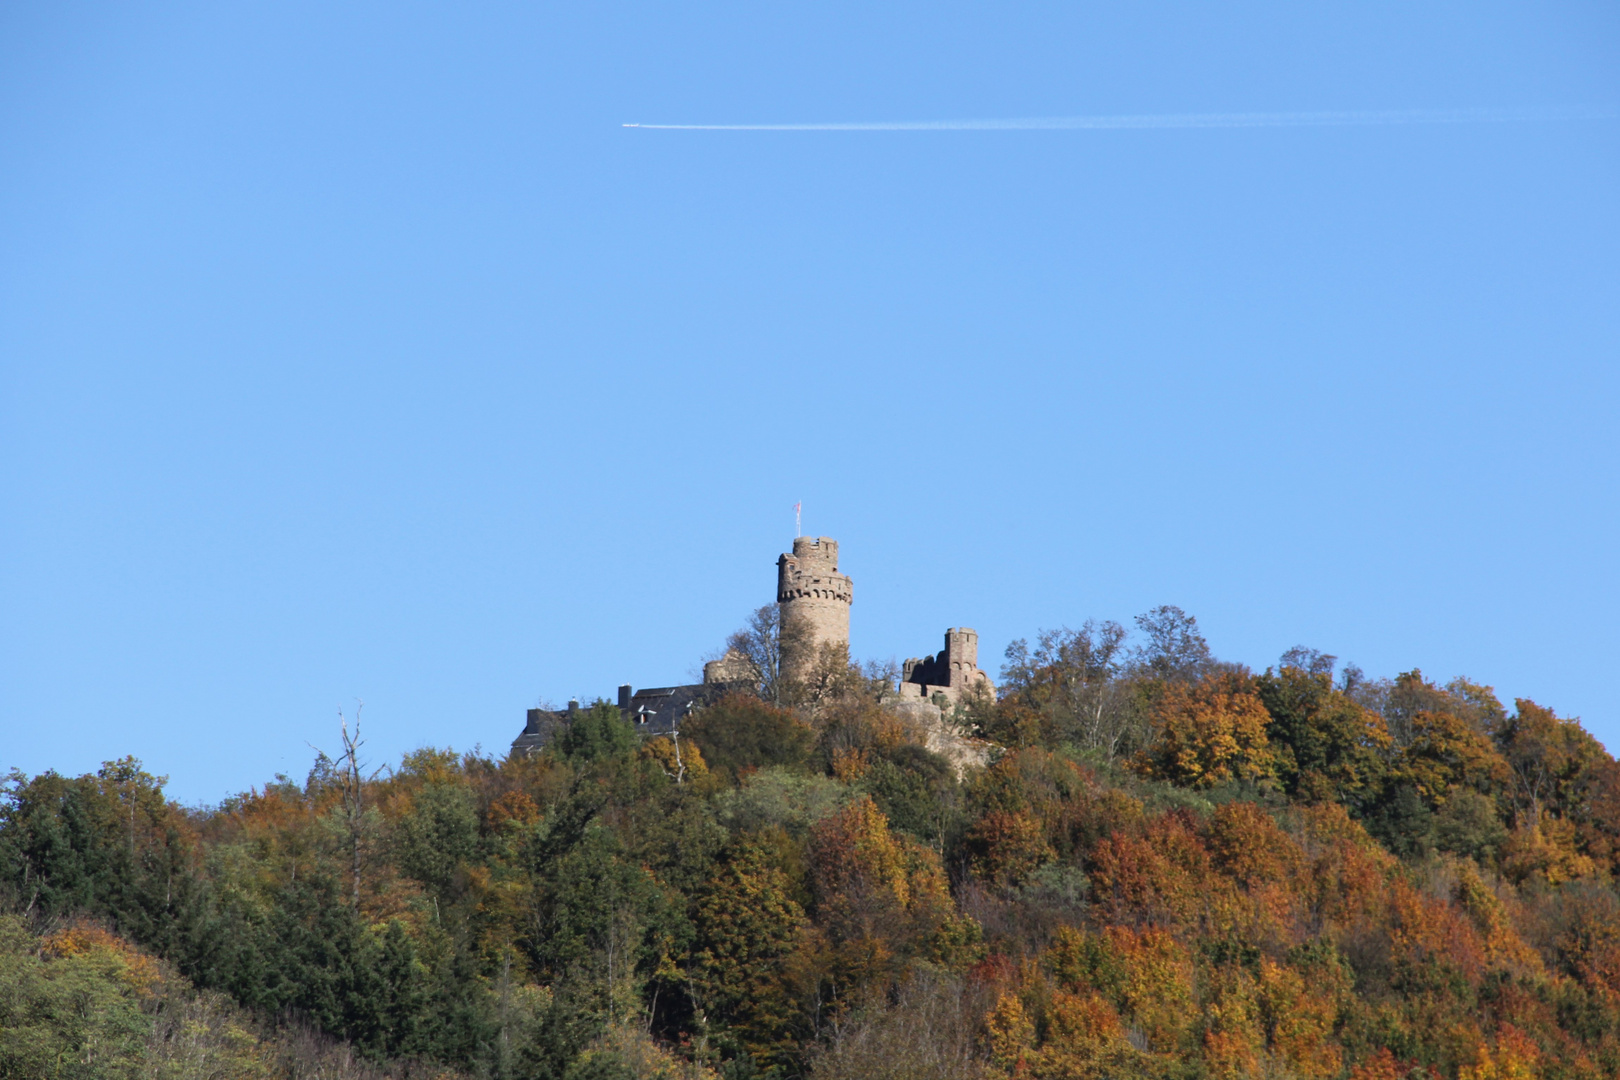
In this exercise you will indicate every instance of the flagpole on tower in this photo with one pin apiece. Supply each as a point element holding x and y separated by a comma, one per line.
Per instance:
<point>797,530</point>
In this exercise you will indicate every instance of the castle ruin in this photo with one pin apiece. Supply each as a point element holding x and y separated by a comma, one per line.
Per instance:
<point>951,674</point>
<point>813,601</point>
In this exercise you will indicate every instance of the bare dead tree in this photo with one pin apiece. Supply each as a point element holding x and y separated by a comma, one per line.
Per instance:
<point>1174,649</point>
<point>760,641</point>
<point>351,789</point>
<point>1077,677</point>
<point>679,774</point>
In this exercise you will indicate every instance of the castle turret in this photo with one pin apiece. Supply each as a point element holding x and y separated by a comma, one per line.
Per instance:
<point>813,599</point>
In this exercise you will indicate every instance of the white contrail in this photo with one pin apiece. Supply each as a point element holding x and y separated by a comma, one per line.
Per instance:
<point>1183,120</point>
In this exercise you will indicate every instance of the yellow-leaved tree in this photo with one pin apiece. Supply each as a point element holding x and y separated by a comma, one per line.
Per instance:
<point>1209,733</point>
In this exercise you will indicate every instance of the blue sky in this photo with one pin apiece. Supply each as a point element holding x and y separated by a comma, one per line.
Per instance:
<point>360,352</point>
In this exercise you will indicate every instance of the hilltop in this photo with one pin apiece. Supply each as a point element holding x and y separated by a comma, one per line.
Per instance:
<point>1166,866</point>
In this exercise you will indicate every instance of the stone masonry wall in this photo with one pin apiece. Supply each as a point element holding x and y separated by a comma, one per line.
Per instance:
<point>733,667</point>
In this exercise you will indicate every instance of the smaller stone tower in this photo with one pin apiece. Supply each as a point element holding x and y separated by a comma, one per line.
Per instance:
<point>813,599</point>
<point>961,651</point>
<point>953,672</point>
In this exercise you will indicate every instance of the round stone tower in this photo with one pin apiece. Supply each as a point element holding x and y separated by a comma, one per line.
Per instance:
<point>813,599</point>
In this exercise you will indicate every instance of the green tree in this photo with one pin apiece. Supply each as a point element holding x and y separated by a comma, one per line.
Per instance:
<point>747,923</point>
<point>603,926</point>
<point>66,1018</point>
<point>917,791</point>
<point>1468,825</point>
<point>1402,820</point>
<point>1326,745</point>
<point>109,845</point>
<point>740,733</point>
<point>438,834</point>
<point>597,733</point>
<point>311,953</point>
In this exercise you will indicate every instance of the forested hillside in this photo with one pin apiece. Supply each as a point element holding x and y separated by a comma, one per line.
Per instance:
<point>1173,867</point>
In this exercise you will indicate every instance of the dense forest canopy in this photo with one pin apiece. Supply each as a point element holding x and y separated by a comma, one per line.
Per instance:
<point>1171,867</point>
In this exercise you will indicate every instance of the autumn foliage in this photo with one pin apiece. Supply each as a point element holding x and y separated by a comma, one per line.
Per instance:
<point>1168,867</point>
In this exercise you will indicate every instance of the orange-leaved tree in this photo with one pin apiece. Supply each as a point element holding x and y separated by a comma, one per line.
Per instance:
<point>881,901</point>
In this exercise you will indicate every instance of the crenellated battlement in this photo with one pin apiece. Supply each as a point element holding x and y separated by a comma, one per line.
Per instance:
<point>816,551</point>
<point>811,573</point>
<point>817,589</point>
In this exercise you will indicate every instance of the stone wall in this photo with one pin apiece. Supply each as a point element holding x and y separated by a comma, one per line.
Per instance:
<point>733,667</point>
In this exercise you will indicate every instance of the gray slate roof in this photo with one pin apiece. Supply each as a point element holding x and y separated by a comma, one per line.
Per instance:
<point>654,711</point>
